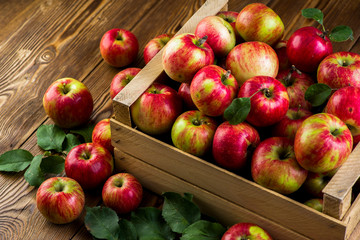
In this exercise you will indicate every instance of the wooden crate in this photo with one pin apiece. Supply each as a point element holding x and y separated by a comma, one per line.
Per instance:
<point>222,194</point>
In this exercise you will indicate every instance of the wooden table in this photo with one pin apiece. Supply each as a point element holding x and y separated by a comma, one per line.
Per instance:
<point>43,40</point>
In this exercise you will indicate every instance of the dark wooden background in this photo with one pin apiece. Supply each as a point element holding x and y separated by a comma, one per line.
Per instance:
<point>43,40</point>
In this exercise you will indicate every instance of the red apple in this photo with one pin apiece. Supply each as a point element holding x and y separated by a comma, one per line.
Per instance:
<point>155,111</point>
<point>249,231</point>
<point>119,47</point>
<point>90,164</point>
<point>288,125</point>
<point>296,85</point>
<point>193,132</point>
<point>68,102</point>
<point>274,166</point>
<point>184,93</point>
<point>344,103</point>
<point>221,36</point>
<point>280,49</point>
<point>269,100</point>
<point>257,22</point>
<point>230,17</point>
<point>315,203</point>
<point>307,47</point>
<point>322,143</point>
<point>60,199</point>
<point>121,79</point>
<point>155,45</point>
<point>101,134</point>
<point>213,89</point>
<point>339,70</point>
<point>251,59</point>
<point>184,55</point>
<point>233,144</point>
<point>122,192</point>
<point>316,182</point>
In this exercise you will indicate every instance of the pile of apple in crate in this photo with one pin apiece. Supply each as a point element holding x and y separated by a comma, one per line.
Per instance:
<point>282,113</point>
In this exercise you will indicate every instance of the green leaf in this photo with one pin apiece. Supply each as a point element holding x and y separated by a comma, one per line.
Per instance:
<point>313,13</point>
<point>150,225</point>
<point>70,141</point>
<point>238,110</point>
<point>341,33</point>
<point>33,175</point>
<point>203,230</point>
<point>85,132</point>
<point>188,196</point>
<point>102,223</point>
<point>179,212</point>
<point>127,230</point>
<point>317,94</point>
<point>15,160</point>
<point>50,137</point>
<point>52,164</point>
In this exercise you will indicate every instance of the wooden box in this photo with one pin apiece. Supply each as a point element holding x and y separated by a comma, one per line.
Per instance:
<point>221,194</point>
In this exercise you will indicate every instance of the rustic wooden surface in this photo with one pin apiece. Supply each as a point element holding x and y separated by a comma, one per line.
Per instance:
<point>43,40</point>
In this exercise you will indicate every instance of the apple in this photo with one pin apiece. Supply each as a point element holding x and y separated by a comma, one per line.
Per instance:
<point>315,203</point>
<point>315,182</point>
<point>184,55</point>
<point>155,111</point>
<point>60,199</point>
<point>68,102</point>
<point>288,125</point>
<point>322,143</point>
<point>90,164</point>
<point>184,93</point>
<point>121,79</point>
<point>230,17</point>
<point>296,84</point>
<point>233,145</point>
<point>339,70</point>
<point>122,192</point>
<point>244,231</point>
<point>258,22</point>
<point>343,103</point>
<point>274,166</point>
<point>251,59</point>
<point>155,45</point>
<point>213,89</point>
<point>119,47</point>
<point>307,47</point>
<point>269,100</point>
<point>221,36</point>
<point>193,132</point>
<point>280,49</point>
<point>101,134</point>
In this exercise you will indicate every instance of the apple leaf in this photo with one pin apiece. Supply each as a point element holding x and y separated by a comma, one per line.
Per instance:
<point>53,164</point>
<point>102,223</point>
<point>203,230</point>
<point>150,225</point>
<point>15,160</point>
<point>341,33</point>
<point>179,212</point>
<point>313,13</point>
<point>127,230</point>
<point>85,132</point>
<point>238,110</point>
<point>33,175</point>
<point>50,137</point>
<point>317,94</point>
<point>70,141</point>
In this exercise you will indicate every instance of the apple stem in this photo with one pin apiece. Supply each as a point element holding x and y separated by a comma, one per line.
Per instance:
<point>119,37</point>
<point>335,132</point>
<point>324,32</point>
<point>59,187</point>
<point>65,89</point>
<point>225,76</point>
<point>202,40</point>
<point>267,92</point>
<point>196,122</point>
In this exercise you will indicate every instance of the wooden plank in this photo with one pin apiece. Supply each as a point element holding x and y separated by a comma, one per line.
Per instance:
<point>352,219</point>
<point>337,193</point>
<point>241,191</point>
<point>153,69</point>
<point>159,181</point>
